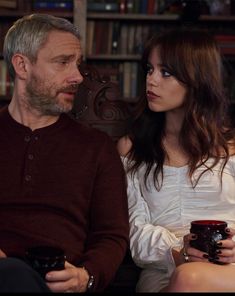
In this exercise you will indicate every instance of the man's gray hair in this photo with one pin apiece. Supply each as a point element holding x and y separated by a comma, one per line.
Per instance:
<point>28,35</point>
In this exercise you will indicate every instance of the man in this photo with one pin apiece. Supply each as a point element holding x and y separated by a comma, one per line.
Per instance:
<point>61,184</point>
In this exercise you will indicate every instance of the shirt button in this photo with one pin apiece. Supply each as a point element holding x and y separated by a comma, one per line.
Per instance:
<point>36,138</point>
<point>30,156</point>
<point>27,138</point>
<point>28,178</point>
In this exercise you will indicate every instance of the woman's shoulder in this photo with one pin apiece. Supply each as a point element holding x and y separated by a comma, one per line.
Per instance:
<point>124,145</point>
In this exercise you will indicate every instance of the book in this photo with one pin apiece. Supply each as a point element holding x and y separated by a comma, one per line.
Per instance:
<point>109,38</point>
<point>130,6</point>
<point>134,81</point>
<point>3,78</point>
<point>123,44</point>
<point>8,4</point>
<point>131,39</point>
<point>225,37</point>
<point>115,37</point>
<point>226,43</point>
<point>151,7</point>
<point>49,4</point>
<point>127,80</point>
<point>90,37</point>
<point>101,40</point>
<point>122,6</point>
<point>103,6</point>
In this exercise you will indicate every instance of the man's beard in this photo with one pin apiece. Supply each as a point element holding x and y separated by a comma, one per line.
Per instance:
<point>40,97</point>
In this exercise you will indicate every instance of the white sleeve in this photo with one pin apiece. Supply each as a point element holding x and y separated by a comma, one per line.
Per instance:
<point>232,159</point>
<point>150,244</point>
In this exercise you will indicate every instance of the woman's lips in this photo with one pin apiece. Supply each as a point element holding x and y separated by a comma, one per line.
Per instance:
<point>152,96</point>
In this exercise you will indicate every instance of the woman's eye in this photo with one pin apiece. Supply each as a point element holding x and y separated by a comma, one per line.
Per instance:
<point>165,73</point>
<point>149,69</point>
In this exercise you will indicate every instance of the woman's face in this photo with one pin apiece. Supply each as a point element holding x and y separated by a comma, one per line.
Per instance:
<point>164,91</point>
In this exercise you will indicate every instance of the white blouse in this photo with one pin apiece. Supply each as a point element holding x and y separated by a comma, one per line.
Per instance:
<point>159,220</point>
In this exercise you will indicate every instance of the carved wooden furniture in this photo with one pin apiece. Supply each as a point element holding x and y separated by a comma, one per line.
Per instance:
<point>98,104</point>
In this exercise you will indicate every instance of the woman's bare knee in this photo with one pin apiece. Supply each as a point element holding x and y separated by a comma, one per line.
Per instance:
<point>186,278</point>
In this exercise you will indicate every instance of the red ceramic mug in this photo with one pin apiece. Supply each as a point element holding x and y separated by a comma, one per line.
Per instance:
<point>45,258</point>
<point>208,232</point>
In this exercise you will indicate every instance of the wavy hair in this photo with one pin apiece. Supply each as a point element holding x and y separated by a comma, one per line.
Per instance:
<point>193,57</point>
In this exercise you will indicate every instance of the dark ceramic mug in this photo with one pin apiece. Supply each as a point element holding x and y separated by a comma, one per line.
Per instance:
<point>208,232</point>
<point>45,258</point>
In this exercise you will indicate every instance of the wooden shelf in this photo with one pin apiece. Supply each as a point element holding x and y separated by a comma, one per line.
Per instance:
<point>221,18</point>
<point>157,17</point>
<point>18,13</point>
<point>114,57</point>
<point>130,16</point>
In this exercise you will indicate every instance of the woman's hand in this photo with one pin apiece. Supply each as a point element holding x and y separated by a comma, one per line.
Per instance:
<point>190,253</point>
<point>226,248</point>
<point>71,279</point>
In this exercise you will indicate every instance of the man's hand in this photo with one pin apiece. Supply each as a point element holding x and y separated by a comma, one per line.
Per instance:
<point>71,279</point>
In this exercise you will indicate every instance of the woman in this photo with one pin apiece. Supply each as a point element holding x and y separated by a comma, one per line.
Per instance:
<point>180,162</point>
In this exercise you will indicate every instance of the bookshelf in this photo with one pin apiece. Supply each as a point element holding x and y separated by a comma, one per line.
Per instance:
<point>113,34</point>
<point>113,37</point>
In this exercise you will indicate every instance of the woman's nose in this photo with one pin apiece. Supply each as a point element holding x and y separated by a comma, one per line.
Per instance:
<point>153,79</point>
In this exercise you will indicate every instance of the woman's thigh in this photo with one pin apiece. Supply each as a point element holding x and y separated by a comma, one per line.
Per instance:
<point>203,277</point>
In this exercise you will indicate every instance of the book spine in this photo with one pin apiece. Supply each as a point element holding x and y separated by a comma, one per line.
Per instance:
<point>52,5</point>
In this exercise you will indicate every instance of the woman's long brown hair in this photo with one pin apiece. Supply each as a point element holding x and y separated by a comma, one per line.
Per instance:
<point>193,57</point>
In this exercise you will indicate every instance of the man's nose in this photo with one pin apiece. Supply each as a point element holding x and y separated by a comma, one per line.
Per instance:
<point>76,76</point>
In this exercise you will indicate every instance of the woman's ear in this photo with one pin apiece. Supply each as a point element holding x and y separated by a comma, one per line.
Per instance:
<point>20,64</point>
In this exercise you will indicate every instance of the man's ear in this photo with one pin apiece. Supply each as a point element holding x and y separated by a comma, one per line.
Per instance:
<point>21,65</point>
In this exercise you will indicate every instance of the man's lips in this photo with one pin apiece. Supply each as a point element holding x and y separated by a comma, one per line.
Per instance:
<point>69,95</point>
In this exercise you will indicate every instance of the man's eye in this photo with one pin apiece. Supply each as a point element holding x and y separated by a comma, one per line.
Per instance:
<point>63,62</point>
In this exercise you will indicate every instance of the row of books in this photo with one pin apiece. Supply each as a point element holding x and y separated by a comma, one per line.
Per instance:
<point>104,37</point>
<point>53,4</point>
<point>128,6</point>
<point>226,43</point>
<point>6,85</point>
<point>213,7</point>
<point>40,4</point>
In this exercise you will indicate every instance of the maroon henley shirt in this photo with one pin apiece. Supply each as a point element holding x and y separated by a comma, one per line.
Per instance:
<point>63,185</point>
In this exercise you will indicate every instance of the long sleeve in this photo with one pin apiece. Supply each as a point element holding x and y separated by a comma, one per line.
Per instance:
<point>75,199</point>
<point>150,244</point>
<point>159,219</point>
<point>109,230</point>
